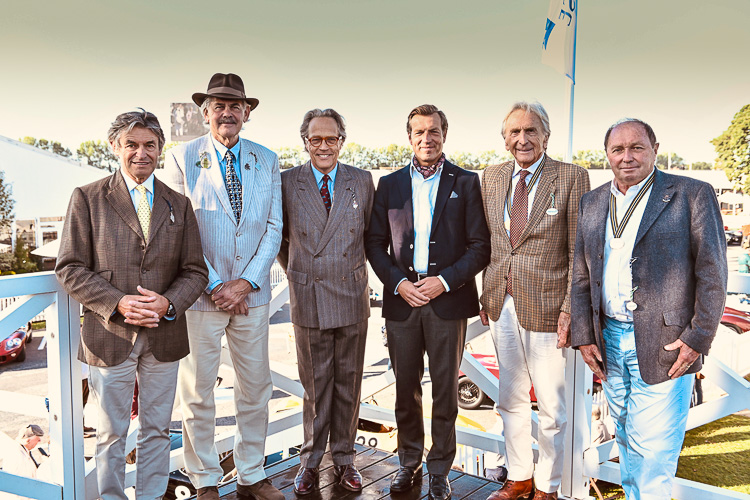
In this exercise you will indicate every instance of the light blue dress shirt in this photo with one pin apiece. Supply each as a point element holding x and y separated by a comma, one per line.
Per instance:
<point>135,195</point>
<point>319,178</point>
<point>221,151</point>
<point>514,182</point>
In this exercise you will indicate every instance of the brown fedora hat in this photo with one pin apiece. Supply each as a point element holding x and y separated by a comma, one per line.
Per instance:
<point>225,86</point>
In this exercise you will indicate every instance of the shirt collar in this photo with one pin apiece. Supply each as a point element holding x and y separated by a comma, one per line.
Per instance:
<point>148,183</point>
<point>319,175</point>
<point>221,150</point>
<point>517,168</point>
<point>437,166</point>
<point>632,190</point>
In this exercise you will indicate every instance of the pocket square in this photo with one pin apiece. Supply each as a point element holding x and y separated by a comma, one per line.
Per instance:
<point>453,194</point>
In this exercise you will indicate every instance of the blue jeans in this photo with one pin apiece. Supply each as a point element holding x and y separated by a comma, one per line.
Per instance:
<point>649,420</point>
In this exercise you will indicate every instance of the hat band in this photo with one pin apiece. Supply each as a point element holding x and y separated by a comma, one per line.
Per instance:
<point>225,90</point>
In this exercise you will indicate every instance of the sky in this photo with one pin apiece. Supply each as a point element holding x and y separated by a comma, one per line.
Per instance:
<point>68,68</point>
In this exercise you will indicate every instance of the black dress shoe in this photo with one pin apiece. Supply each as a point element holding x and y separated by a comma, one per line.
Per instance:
<point>440,488</point>
<point>404,478</point>
<point>306,481</point>
<point>348,477</point>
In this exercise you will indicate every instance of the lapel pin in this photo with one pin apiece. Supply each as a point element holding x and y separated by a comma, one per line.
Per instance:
<point>666,198</point>
<point>552,210</point>
<point>247,166</point>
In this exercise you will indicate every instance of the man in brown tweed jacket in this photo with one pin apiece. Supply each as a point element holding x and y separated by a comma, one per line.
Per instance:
<point>531,205</point>
<point>131,253</point>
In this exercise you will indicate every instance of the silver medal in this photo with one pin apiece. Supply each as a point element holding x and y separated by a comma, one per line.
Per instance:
<point>552,211</point>
<point>616,243</point>
<point>631,306</point>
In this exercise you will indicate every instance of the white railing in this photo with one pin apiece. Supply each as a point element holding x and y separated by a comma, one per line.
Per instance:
<point>73,479</point>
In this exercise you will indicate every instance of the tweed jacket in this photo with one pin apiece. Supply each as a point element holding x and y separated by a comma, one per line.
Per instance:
<point>543,256</point>
<point>103,256</point>
<point>232,251</point>
<point>680,269</point>
<point>324,254</point>
<point>459,241</point>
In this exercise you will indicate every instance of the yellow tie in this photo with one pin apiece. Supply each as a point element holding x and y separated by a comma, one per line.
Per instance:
<point>144,210</point>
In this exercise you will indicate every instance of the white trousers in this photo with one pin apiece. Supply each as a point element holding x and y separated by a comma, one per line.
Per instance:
<point>524,358</point>
<point>112,388</point>
<point>247,338</point>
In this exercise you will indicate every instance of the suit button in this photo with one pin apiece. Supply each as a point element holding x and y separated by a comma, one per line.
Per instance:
<point>596,312</point>
<point>411,247</point>
<point>344,254</point>
<point>598,283</point>
<point>239,258</point>
<point>144,271</point>
<point>600,256</point>
<point>343,278</point>
<point>316,256</point>
<point>351,230</point>
<point>239,234</point>
<point>304,233</point>
<point>317,279</point>
<point>411,268</point>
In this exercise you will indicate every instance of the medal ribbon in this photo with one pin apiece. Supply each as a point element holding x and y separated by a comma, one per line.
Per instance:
<point>618,229</point>
<point>529,186</point>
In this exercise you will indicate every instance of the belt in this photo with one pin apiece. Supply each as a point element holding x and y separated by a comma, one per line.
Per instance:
<point>421,276</point>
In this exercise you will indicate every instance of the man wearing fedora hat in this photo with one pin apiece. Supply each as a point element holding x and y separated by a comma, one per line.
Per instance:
<point>235,187</point>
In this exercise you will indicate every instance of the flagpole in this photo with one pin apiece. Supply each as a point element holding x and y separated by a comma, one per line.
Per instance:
<point>571,92</point>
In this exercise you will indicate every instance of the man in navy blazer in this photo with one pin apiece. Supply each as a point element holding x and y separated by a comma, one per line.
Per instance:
<point>427,241</point>
<point>648,290</point>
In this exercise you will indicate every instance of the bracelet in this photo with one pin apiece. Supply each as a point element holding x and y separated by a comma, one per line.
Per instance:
<point>218,289</point>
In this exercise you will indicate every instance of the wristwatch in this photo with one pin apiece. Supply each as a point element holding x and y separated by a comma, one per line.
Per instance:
<point>171,310</point>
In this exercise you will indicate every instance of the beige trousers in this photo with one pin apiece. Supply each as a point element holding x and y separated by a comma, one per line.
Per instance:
<point>247,338</point>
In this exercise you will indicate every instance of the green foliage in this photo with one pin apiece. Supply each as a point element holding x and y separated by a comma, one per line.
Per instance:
<point>291,157</point>
<point>591,159</point>
<point>701,165</point>
<point>676,161</point>
<point>98,154</point>
<point>733,149</point>
<point>23,261</point>
<point>6,203</point>
<point>7,260</point>
<point>47,145</point>
<point>167,147</point>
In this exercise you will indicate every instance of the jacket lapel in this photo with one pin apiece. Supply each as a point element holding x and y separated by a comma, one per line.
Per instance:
<point>661,193</point>
<point>119,197</point>
<point>214,174</point>
<point>445,188</point>
<point>502,183</point>
<point>598,226</point>
<point>307,190</point>
<point>545,187</point>
<point>159,211</point>
<point>248,164</point>
<point>403,179</point>
<point>343,190</point>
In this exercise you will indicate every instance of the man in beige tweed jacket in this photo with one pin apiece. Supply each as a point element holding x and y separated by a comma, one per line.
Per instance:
<point>323,253</point>
<point>526,295</point>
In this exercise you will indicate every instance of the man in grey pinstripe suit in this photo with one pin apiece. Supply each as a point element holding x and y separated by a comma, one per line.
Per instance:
<point>327,208</point>
<point>235,187</point>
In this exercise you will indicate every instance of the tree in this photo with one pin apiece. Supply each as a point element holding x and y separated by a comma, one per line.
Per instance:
<point>676,161</point>
<point>733,149</point>
<point>166,148</point>
<point>24,263</point>
<point>591,159</point>
<point>47,145</point>
<point>291,157</point>
<point>99,155</point>
<point>6,203</point>
<point>701,165</point>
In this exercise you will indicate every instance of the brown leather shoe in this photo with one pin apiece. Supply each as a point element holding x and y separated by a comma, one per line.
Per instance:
<point>348,477</point>
<point>208,493</point>
<point>306,481</point>
<point>513,490</point>
<point>540,495</point>
<point>262,490</point>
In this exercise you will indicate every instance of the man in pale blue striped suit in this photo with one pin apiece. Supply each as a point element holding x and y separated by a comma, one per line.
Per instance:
<point>235,187</point>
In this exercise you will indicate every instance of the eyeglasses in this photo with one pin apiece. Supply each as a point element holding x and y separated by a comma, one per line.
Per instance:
<point>317,141</point>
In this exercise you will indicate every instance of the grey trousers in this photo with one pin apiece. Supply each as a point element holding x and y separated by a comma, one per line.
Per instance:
<point>330,368</point>
<point>112,388</point>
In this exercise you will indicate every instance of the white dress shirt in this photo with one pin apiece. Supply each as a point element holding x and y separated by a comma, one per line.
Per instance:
<point>514,182</point>
<point>618,277</point>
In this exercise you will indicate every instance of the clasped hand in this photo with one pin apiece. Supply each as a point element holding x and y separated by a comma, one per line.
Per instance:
<point>143,310</point>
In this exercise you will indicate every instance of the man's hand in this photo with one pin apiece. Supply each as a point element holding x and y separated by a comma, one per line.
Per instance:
<point>231,296</point>
<point>411,294</point>
<point>483,317</point>
<point>685,359</point>
<point>593,358</point>
<point>430,287</point>
<point>143,310</point>
<point>563,330</point>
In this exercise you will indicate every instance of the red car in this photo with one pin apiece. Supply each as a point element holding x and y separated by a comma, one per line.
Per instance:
<point>737,320</point>
<point>13,347</point>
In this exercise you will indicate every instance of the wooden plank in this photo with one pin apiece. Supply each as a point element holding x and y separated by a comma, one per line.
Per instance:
<point>483,492</point>
<point>467,484</point>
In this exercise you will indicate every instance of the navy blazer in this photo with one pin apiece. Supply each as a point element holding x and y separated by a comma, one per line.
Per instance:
<point>680,270</point>
<point>459,241</point>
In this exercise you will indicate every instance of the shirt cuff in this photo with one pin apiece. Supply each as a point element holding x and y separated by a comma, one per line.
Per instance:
<point>395,292</point>
<point>447,288</point>
<point>255,287</point>
<point>213,285</point>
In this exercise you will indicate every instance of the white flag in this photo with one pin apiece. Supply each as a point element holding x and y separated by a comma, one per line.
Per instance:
<point>559,43</point>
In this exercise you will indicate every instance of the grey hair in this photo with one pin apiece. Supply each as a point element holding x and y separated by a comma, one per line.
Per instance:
<point>125,122</point>
<point>304,129</point>
<point>30,431</point>
<point>208,100</point>
<point>530,107</point>
<point>649,131</point>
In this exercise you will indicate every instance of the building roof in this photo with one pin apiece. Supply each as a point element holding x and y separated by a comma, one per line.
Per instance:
<point>41,182</point>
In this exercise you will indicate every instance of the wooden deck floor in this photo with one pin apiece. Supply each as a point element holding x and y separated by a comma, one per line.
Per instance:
<point>377,469</point>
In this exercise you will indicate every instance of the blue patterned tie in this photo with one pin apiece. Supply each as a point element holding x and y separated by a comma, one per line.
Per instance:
<point>234,186</point>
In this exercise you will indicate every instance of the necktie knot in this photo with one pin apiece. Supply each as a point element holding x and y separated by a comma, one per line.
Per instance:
<point>524,173</point>
<point>229,157</point>
<point>141,189</point>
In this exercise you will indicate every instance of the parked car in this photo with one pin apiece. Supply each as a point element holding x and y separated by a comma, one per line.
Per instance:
<point>733,236</point>
<point>737,320</point>
<point>13,347</point>
<point>471,397</point>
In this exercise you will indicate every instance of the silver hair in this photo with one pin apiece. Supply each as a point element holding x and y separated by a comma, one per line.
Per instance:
<point>649,131</point>
<point>530,107</point>
<point>125,122</point>
<point>304,129</point>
